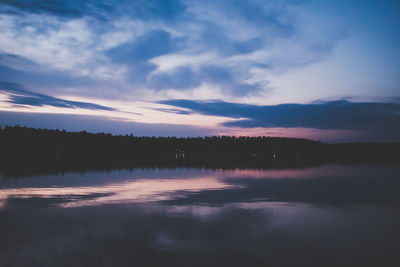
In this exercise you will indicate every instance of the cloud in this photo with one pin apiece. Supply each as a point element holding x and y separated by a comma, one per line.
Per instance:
<point>18,95</point>
<point>327,115</point>
<point>136,54</point>
<point>149,10</point>
<point>185,77</point>
<point>103,9</point>
<point>19,69</point>
<point>55,7</point>
<point>145,47</point>
<point>179,78</point>
<point>127,44</point>
<point>175,111</point>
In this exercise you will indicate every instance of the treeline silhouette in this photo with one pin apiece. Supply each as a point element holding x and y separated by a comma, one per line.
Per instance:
<point>26,151</point>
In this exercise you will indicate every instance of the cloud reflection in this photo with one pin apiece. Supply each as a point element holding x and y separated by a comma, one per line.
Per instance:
<point>198,217</point>
<point>328,184</point>
<point>111,193</point>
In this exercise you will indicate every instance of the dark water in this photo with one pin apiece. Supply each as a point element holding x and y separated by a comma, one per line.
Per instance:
<point>333,215</point>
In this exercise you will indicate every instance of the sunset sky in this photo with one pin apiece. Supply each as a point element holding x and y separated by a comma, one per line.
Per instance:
<point>326,70</point>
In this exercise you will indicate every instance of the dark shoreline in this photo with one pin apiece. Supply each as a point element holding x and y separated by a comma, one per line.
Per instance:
<point>29,151</point>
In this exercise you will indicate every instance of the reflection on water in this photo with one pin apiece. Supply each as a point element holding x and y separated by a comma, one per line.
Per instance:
<point>141,190</point>
<point>331,215</point>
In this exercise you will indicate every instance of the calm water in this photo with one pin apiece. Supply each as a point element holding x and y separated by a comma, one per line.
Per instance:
<point>331,215</point>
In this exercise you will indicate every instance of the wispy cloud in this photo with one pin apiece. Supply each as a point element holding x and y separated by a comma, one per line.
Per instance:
<point>18,95</point>
<point>125,47</point>
<point>326,115</point>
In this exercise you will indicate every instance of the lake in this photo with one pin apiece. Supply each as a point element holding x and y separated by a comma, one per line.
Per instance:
<point>329,215</point>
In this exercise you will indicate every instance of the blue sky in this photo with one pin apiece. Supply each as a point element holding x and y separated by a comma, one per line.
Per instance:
<point>327,70</point>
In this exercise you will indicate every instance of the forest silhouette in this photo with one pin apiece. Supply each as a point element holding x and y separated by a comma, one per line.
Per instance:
<point>27,151</point>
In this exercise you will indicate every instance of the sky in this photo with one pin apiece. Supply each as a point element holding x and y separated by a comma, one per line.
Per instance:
<point>326,70</point>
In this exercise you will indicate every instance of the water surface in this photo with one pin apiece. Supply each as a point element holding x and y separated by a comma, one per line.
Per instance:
<point>331,215</point>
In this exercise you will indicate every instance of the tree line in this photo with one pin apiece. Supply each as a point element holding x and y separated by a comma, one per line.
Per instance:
<point>29,150</point>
